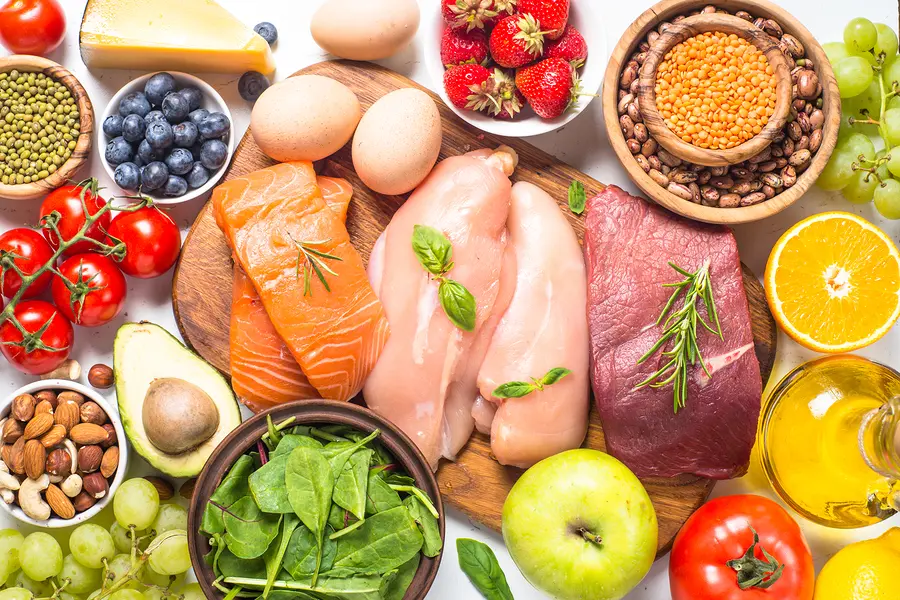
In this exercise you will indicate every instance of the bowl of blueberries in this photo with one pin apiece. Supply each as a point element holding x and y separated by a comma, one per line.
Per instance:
<point>168,136</point>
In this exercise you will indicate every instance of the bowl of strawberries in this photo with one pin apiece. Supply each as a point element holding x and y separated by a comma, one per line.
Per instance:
<point>517,68</point>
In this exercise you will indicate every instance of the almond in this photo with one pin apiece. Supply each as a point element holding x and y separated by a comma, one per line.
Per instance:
<point>59,502</point>
<point>67,414</point>
<point>43,406</point>
<point>85,434</point>
<point>187,488</point>
<point>12,430</point>
<point>35,458</point>
<point>23,407</point>
<point>38,426</point>
<point>54,437</point>
<point>89,458</point>
<point>162,486</point>
<point>16,462</point>
<point>4,452</point>
<point>110,461</point>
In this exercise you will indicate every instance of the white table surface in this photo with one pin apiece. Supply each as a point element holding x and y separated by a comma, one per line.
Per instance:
<point>583,145</point>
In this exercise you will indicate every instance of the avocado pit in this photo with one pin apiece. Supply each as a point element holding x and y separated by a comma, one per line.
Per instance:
<point>178,415</point>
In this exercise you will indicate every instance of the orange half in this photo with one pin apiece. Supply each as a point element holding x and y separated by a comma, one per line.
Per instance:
<point>833,282</point>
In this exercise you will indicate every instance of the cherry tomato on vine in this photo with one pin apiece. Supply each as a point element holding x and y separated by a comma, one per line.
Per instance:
<point>741,547</point>
<point>66,202</point>
<point>49,345</point>
<point>32,26</point>
<point>95,292</point>
<point>152,241</point>
<point>29,251</point>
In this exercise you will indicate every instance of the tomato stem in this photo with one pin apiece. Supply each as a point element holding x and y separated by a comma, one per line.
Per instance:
<point>753,572</point>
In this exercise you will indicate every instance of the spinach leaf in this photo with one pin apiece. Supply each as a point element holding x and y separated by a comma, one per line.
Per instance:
<point>310,486</point>
<point>338,453</point>
<point>369,587</point>
<point>339,518</point>
<point>286,595</point>
<point>300,556</point>
<point>428,525</point>
<point>249,531</point>
<point>350,487</point>
<point>274,556</point>
<point>383,542</point>
<point>233,488</point>
<point>422,496</point>
<point>229,565</point>
<point>291,441</point>
<point>382,456</point>
<point>379,495</point>
<point>397,588</point>
<point>398,479</point>
<point>342,532</point>
<point>268,488</point>
<point>480,565</point>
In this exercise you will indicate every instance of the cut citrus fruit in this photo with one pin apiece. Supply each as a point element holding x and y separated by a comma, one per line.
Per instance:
<point>833,282</point>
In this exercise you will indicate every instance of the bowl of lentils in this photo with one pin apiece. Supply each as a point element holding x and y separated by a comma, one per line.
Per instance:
<point>722,185</point>
<point>167,135</point>
<point>46,127</point>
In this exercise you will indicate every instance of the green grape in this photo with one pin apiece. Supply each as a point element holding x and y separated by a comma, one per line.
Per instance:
<point>10,543</point>
<point>41,589</point>
<point>835,51</point>
<point>121,537</point>
<point>887,199</point>
<point>119,567</point>
<point>169,553</point>
<point>891,74</point>
<point>136,503</point>
<point>192,591</point>
<point>857,144</point>
<point>64,595</point>
<point>891,124</point>
<point>90,544</point>
<point>152,577</point>
<point>838,172</point>
<point>127,594</point>
<point>170,516</point>
<point>893,164</point>
<point>81,579</point>
<point>861,188</point>
<point>41,556</point>
<point>16,593</point>
<point>887,41</point>
<point>853,74</point>
<point>860,35</point>
<point>869,100</point>
<point>882,170</point>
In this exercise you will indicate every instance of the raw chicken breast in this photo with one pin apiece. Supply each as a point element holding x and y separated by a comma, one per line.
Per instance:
<point>425,379</point>
<point>544,327</point>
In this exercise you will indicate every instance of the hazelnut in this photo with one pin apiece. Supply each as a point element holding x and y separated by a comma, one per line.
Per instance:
<point>59,463</point>
<point>23,407</point>
<point>92,413</point>
<point>68,396</point>
<point>111,437</point>
<point>49,396</point>
<point>83,501</point>
<point>95,485</point>
<point>101,377</point>
<point>12,430</point>
<point>89,458</point>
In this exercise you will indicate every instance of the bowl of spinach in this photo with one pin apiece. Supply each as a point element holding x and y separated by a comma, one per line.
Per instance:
<point>316,500</point>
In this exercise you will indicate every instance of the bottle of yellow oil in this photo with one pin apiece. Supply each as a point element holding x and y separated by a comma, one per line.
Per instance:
<point>830,441</point>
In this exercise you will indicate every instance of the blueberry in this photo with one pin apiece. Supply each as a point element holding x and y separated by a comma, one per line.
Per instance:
<point>251,85</point>
<point>198,115</point>
<point>148,154</point>
<point>213,154</point>
<point>133,128</point>
<point>119,151</point>
<point>176,108</point>
<point>154,176</point>
<point>128,176</point>
<point>267,32</point>
<point>175,186</point>
<point>214,126</point>
<point>186,134</point>
<point>179,161</point>
<point>154,115</point>
<point>159,135</point>
<point>112,126</point>
<point>158,86</point>
<point>135,103</point>
<point>138,161</point>
<point>198,176</point>
<point>196,149</point>
<point>193,96</point>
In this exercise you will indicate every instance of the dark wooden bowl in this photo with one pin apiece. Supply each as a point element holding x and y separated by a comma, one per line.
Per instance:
<point>306,412</point>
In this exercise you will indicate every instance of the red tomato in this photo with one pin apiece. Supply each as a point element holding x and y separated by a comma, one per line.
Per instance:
<point>32,26</point>
<point>95,293</point>
<point>38,355</point>
<point>152,241</point>
<point>714,541</point>
<point>66,202</point>
<point>29,251</point>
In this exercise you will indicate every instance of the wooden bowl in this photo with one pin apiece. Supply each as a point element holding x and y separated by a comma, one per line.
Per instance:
<point>66,171</point>
<point>665,11</point>
<point>244,438</point>
<point>684,30</point>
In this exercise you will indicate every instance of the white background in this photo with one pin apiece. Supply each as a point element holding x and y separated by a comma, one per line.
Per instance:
<point>582,144</point>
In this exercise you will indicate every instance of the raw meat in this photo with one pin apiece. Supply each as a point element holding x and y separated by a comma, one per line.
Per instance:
<point>544,327</point>
<point>628,244</point>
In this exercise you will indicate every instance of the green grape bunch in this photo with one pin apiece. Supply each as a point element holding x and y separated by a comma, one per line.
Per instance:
<point>868,76</point>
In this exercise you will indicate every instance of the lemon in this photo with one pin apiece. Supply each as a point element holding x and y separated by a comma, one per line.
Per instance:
<point>863,571</point>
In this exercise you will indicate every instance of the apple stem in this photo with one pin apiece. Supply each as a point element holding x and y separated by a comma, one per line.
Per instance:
<point>753,572</point>
<point>590,536</point>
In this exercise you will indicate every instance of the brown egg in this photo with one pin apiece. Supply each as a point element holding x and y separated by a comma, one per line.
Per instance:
<point>365,29</point>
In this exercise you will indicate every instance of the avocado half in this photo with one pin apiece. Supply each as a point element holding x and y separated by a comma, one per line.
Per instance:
<point>144,352</point>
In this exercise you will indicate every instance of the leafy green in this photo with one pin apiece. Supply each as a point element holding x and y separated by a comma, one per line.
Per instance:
<point>397,588</point>
<point>422,496</point>
<point>458,304</point>
<point>480,565</point>
<point>342,532</point>
<point>249,531</point>
<point>393,478</point>
<point>379,495</point>
<point>234,487</point>
<point>518,389</point>
<point>310,486</point>
<point>229,565</point>
<point>290,595</point>
<point>274,556</point>
<point>291,441</point>
<point>339,518</point>
<point>577,197</point>
<point>350,487</point>
<point>268,488</point>
<point>301,552</point>
<point>428,526</point>
<point>338,453</point>
<point>274,435</point>
<point>360,587</point>
<point>383,542</point>
<point>432,249</point>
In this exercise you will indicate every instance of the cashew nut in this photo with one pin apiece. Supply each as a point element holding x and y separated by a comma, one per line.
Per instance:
<point>73,452</point>
<point>7,495</point>
<point>56,478</point>
<point>72,485</point>
<point>30,498</point>
<point>7,481</point>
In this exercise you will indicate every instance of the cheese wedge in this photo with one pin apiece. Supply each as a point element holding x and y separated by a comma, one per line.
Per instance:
<point>178,35</point>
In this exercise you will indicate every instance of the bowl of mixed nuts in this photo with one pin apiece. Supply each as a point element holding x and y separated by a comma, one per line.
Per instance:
<point>62,453</point>
<point>716,93</point>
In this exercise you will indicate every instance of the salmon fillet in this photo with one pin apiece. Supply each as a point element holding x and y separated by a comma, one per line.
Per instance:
<point>268,218</point>
<point>264,373</point>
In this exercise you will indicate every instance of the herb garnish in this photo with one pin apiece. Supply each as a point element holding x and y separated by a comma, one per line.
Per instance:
<point>577,198</point>
<point>313,261</point>
<point>681,328</point>
<point>480,565</point>
<point>518,389</point>
<point>435,253</point>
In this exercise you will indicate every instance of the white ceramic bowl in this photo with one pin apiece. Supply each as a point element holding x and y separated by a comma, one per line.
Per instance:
<point>212,102</point>
<point>584,15</point>
<point>62,384</point>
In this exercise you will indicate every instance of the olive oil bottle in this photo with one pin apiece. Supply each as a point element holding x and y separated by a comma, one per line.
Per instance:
<point>830,441</point>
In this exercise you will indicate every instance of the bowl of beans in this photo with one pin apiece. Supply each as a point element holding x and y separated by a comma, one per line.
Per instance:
<point>46,126</point>
<point>723,113</point>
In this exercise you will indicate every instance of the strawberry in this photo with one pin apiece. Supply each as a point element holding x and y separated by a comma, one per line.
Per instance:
<point>499,97</point>
<point>551,14</point>
<point>516,41</point>
<point>469,14</point>
<point>571,47</point>
<point>504,7</point>
<point>465,84</point>
<point>459,47</point>
<point>550,86</point>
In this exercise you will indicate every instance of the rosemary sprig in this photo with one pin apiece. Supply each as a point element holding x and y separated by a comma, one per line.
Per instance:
<point>312,261</point>
<point>681,329</point>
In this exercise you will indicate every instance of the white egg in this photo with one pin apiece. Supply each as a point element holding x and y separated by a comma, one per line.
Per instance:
<point>365,29</point>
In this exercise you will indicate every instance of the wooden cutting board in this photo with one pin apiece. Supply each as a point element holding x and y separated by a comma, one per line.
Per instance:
<point>475,484</point>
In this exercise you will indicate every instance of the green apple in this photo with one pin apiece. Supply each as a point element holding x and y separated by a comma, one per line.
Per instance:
<point>580,526</point>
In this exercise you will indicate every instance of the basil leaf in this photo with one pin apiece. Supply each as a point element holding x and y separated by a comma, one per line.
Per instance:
<point>428,526</point>
<point>405,574</point>
<point>458,303</point>
<point>249,531</point>
<point>310,485</point>
<point>513,389</point>
<point>383,542</point>
<point>351,484</point>
<point>274,556</point>
<point>234,487</point>
<point>432,248</point>
<point>577,198</point>
<point>379,495</point>
<point>480,565</point>
<point>554,375</point>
